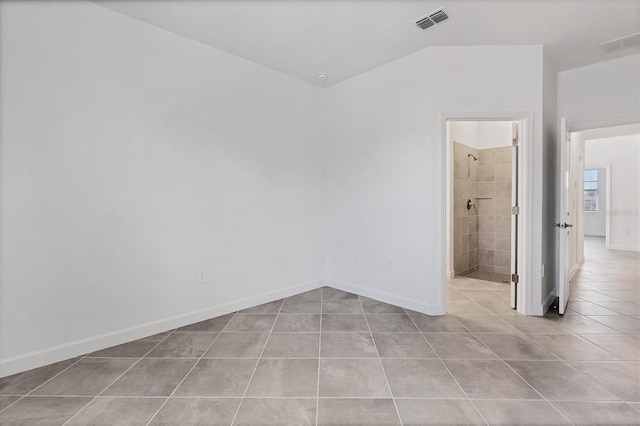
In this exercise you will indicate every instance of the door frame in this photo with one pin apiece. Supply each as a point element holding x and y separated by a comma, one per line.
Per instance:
<point>607,216</point>
<point>563,214</point>
<point>584,127</point>
<point>526,286</point>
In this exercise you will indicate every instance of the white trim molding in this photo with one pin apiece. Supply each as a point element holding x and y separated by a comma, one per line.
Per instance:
<point>80,347</point>
<point>392,299</point>
<point>527,285</point>
<point>623,248</point>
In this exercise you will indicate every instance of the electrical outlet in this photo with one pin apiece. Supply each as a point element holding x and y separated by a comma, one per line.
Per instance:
<point>202,275</point>
<point>388,264</point>
<point>543,270</point>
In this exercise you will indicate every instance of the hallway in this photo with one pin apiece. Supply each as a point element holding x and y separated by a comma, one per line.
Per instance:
<point>599,337</point>
<point>607,287</point>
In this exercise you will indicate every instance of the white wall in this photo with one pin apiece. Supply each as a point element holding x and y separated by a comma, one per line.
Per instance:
<point>386,181</point>
<point>600,95</point>
<point>623,155</point>
<point>482,134</point>
<point>131,157</point>
<point>595,222</point>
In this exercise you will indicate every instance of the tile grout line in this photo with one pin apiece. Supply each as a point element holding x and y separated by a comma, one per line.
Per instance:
<point>474,334</point>
<point>333,397</point>
<point>43,383</point>
<point>117,378</point>
<point>190,370</point>
<point>612,309</point>
<point>447,368</point>
<point>558,358</point>
<point>360,357</point>
<point>517,374</point>
<point>319,352</point>
<point>386,379</point>
<point>255,368</point>
<point>591,317</point>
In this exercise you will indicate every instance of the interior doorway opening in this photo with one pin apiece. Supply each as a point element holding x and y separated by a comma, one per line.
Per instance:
<point>601,200</point>
<point>483,210</point>
<point>605,197</point>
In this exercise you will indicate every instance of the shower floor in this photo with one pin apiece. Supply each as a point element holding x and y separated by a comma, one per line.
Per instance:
<point>490,276</point>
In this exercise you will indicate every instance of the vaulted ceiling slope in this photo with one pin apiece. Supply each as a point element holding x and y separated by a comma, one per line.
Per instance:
<point>344,38</point>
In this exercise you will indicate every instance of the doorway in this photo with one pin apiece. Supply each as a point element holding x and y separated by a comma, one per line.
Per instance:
<point>483,206</point>
<point>602,201</point>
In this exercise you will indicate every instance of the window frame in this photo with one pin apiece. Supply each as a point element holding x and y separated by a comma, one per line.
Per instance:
<point>593,190</point>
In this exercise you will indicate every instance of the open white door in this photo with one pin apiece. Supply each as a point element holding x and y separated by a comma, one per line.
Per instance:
<point>515,211</point>
<point>564,221</point>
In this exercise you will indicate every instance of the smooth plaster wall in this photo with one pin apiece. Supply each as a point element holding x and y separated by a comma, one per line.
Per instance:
<point>132,157</point>
<point>623,155</point>
<point>600,95</point>
<point>386,182</point>
<point>483,134</point>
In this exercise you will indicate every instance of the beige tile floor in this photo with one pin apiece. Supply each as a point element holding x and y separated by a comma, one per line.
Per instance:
<point>327,357</point>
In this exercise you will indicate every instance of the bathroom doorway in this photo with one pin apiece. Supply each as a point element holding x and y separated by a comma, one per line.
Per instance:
<point>483,211</point>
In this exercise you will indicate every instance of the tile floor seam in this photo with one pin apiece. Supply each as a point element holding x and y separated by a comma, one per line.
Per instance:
<point>612,327</point>
<point>448,370</point>
<point>594,380</point>
<point>319,354</point>
<point>623,342</point>
<point>189,372</point>
<point>597,345</point>
<point>384,372</point>
<point>255,368</point>
<point>117,378</point>
<point>426,398</point>
<point>43,383</point>
<point>522,378</point>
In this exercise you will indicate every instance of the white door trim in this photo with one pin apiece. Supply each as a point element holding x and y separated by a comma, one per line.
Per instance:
<point>527,286</point>
<point>607,213</point>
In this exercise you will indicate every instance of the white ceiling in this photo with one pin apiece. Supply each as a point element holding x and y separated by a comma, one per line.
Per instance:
<point>344,38</point>
<point>612,132</point>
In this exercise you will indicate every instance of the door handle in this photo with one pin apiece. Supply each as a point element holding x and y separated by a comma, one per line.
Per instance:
<point>564,225</point>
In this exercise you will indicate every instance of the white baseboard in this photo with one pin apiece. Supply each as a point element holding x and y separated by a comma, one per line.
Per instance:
<point>80,347</point>
<point>546,303</point>
<point>388,298</point>
<point>451,274</point>
<point>573,271</point>
<point>624,248</point>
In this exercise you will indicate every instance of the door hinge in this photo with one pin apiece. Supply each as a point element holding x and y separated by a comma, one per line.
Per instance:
<point>515,278</point>
<point>515,210</point>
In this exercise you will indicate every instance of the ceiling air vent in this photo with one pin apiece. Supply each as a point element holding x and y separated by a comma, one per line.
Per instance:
<point>431,19</point>
<point>438,16</point>
<point>425,23</point>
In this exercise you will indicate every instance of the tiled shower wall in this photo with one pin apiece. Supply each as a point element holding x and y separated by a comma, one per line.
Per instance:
<point>482,235</point>
<point>494,210</point>
<point>465,227</point>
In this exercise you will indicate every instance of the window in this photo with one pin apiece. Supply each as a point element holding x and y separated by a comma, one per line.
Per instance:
<point>591,190</point>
